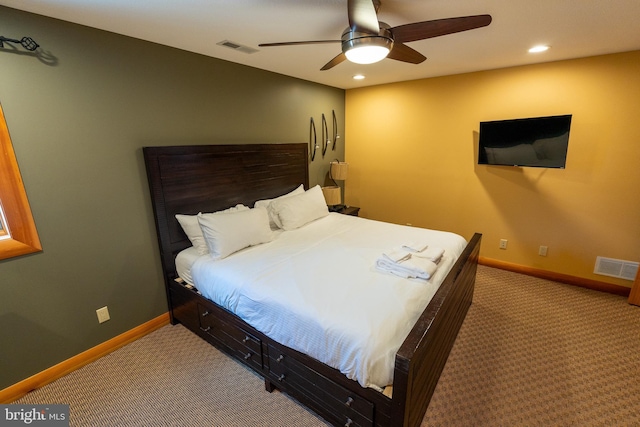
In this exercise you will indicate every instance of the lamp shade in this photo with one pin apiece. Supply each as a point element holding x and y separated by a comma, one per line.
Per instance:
<point>339,170</point>
<point>332,195</point>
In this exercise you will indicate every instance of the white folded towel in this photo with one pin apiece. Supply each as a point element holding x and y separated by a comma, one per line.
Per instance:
<point>411,267</point>
<point>432,253</point>
<point>415,246</point>
<point>396,255</point>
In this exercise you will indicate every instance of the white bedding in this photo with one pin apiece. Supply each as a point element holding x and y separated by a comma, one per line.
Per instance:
<point>315,289</point>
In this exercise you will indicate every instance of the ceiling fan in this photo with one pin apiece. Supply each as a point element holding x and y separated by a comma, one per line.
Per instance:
<point>368,40</point>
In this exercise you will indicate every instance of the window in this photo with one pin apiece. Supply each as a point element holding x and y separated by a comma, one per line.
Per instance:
<point>18,235</point>
<point>4,231</point>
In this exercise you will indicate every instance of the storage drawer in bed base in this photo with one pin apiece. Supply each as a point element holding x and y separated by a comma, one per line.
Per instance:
<point>336,403</point>
<point>240,343</point>
<point>342,402</point>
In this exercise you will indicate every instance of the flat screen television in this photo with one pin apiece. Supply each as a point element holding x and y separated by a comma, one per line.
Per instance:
<point>535,142</point>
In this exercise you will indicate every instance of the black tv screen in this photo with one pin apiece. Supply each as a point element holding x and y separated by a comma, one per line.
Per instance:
<point>536,142</point>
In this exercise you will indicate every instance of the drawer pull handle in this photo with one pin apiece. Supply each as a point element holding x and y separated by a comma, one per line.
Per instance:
<point>281,378</point>
<point>205,313</point>
<point>349,401</point>
<point>207,329</point>
<point>247,356</point>
<point>280,358</point>
<point>349,422</point>
<point>246,338</point>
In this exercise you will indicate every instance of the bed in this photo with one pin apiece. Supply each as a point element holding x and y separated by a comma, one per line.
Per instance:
<point>192,179</point>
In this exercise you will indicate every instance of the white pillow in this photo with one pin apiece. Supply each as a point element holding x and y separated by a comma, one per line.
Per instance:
<point>191,227</point>
<point>274,221</point>
<point>228,233</point>
<point>296,211</point>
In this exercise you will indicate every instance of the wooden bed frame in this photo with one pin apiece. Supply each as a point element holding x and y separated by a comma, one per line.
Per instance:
<point>207,178</point>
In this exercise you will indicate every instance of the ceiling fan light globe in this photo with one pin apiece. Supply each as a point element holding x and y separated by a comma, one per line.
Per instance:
<point>363,48</point>
<point>367,54</point>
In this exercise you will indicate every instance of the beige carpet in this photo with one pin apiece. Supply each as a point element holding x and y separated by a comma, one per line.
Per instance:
<point>530,353</point>
<point>539,353</point>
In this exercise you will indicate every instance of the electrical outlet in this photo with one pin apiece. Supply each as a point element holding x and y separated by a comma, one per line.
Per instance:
<point>542,251</point>
<point>503,243</point>
<point>103,314</point>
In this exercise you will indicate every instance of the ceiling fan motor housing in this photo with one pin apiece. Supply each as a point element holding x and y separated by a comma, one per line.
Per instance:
<point>352,39</point>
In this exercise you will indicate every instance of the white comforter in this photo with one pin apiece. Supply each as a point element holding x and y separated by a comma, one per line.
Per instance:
<point>316,290</point>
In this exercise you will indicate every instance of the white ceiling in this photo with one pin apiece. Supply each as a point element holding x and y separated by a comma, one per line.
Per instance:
<point>573,28</point>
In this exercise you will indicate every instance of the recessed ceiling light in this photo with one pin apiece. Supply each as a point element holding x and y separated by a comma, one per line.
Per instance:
<point>358,77</point>
<point>538,49</point>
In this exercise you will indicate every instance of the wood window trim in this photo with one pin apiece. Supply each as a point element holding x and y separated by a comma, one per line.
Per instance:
<point>19,220</point>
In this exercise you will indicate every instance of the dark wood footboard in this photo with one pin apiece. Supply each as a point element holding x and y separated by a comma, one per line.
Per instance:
<point>325,390</point>
<point>422,356</point>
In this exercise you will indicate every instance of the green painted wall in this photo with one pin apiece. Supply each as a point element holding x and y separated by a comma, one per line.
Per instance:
<point>78,120</point>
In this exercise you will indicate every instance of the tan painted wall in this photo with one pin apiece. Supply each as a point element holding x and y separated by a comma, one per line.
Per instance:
<point>412,149</point>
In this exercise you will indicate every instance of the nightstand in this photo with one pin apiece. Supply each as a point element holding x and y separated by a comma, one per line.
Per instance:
<point>350,210</point>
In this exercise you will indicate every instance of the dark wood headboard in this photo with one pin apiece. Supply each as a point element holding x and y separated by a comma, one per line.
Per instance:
<point>181,177</point>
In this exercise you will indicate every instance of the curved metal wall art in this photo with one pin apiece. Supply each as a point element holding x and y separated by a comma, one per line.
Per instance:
<point>335,130</point>
<point>313,140</point>
<point>325,136</point>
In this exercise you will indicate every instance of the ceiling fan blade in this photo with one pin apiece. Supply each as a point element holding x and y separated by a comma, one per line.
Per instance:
<point>404,53</point>
<point>335,61</point>
<point>363,17</point>
<point>439,27</point>
<point>298,43</point>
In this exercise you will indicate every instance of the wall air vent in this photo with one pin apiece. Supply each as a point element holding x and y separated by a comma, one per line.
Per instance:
<point>616,268</point>
<point>237,46</point>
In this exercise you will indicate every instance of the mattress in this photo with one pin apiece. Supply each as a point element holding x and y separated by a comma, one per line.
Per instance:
<point>316,290</point>
<point>184,262</point>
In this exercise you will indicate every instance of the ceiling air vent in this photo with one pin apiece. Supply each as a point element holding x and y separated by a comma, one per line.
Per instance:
<point>237,46</point>
<point>616,268</point>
